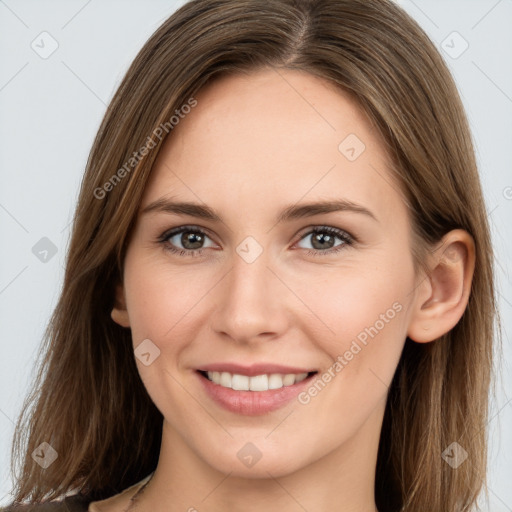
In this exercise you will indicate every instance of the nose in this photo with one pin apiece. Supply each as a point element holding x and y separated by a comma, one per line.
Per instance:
<point>251,302</point>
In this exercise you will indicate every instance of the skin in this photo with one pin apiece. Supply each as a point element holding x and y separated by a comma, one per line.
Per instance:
<point>252,146</point>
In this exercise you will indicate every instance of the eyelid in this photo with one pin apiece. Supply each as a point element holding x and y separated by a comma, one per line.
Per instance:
<point>302,232</point>
<point>186,227</point>
<point>346,237</point>
<point>326,227</point>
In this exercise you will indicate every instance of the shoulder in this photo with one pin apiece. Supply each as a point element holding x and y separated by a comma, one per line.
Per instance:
<point>75,503</point>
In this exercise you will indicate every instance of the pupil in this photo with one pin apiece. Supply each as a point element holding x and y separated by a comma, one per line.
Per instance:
<point>321,237</point>
<point>191,238</point>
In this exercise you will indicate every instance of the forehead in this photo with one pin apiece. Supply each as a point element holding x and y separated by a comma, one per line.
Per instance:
<point>273,136</point>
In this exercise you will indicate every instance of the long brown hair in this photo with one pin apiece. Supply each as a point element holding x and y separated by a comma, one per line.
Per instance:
<point>88,401</point>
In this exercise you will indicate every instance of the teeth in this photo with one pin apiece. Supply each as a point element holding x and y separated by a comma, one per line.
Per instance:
<point>238,382</point>
<point>289,379</point>
<point>275,381</point>
<point>225,379</point>
<point>256,383</point>
<point>259,383</point>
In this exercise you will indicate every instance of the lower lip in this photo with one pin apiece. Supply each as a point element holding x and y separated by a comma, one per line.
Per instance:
<point>252,403</point>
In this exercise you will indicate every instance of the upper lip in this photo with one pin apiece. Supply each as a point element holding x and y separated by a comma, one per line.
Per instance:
<point>253,369</point>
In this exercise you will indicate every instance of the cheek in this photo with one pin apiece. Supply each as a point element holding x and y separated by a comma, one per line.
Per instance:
<point>165,305</point>
<point>158,297</point>
<point>160,305</point>
<point>361,314</point>
<point>368,315</point>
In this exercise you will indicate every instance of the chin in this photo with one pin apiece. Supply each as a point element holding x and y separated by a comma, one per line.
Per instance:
<point>258,459</point>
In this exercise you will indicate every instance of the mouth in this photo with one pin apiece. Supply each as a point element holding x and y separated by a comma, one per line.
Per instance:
<point>257,383</point>
<point>256,394</point>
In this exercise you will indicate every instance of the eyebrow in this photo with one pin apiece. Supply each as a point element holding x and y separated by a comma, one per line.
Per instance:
<point>292,212</point>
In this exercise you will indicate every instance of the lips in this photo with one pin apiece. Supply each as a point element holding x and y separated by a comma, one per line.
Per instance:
<point>255,389</point>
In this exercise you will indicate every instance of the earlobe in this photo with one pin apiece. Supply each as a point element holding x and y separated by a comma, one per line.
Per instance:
<point>119,313</point>
<point>443,295</point>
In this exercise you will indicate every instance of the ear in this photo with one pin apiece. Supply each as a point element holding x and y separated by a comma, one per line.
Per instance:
<point>442,297</point>
<point>119,312</point>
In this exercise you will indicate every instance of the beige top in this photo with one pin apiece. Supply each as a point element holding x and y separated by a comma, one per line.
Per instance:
<point>119,502</point>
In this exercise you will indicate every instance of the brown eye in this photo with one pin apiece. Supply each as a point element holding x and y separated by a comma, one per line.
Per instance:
<point>191,240</point>
<point>324,240</point>
<point>185,240</point>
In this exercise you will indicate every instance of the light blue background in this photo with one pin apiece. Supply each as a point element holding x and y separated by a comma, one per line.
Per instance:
<point>51,108</point>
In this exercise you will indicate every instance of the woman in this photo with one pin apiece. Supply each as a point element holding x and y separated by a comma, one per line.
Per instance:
<point>201,356</point>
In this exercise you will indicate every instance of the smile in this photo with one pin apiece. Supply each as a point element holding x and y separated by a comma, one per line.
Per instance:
<point>264,382</point>
<point>255,390</point>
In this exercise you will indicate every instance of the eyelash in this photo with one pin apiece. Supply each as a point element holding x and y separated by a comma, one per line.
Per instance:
<point>346,238</point>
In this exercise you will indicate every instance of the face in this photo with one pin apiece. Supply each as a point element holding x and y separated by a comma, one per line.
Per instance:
<point>264,285</point>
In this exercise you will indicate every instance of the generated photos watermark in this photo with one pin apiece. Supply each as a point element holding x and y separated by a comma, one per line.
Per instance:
<point>131,163</point>
<point>343,360</point>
